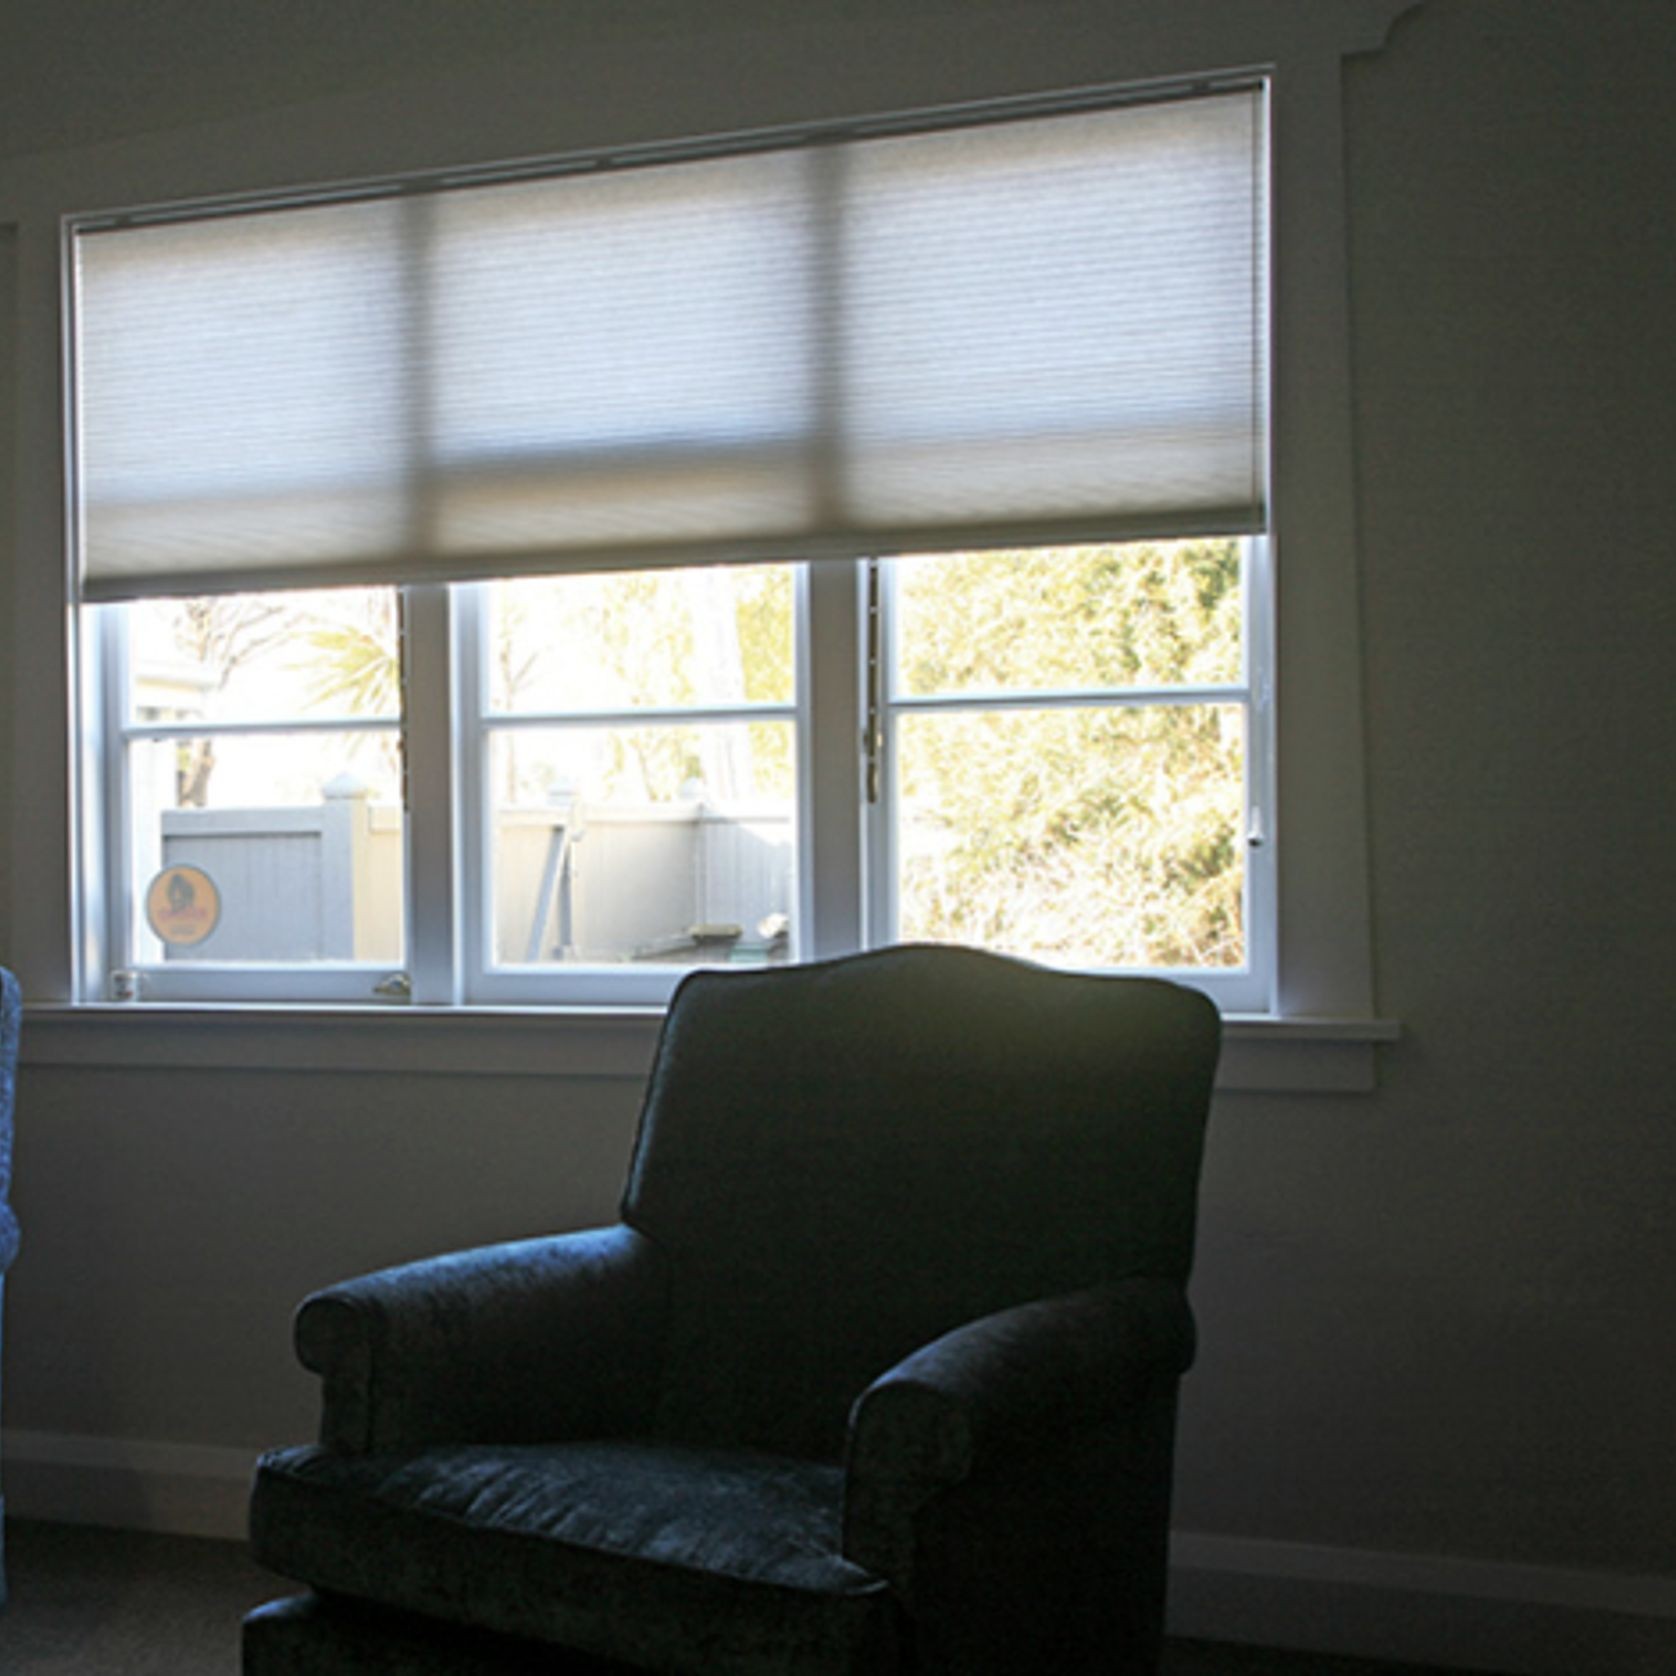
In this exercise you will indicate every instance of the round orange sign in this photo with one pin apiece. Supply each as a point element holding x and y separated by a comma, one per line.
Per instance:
<point>182,906</point>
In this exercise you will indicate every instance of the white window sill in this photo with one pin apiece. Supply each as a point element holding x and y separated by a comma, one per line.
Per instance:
<point>1259,1054</point>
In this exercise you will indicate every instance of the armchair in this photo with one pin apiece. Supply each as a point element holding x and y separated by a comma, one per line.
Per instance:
<point>11,1016</point>
<point>876,1373</point>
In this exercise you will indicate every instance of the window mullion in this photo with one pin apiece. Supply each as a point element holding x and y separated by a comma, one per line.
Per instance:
<point>880,811</point>
<point>1072,698</point>
<point>429,776</point>
<point>645,715</point>
<point>1258,644</point>
<point>474,814</point>
<point>114,915</point>
<point>829,673</point>
<point>128,733</point>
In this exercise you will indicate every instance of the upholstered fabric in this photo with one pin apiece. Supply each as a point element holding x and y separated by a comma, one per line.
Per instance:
<point>894,1144</point>
<point>513,1343</point>
<point>685,1559</point>
<point>876,1373</point>
<point>11,1018</point>
<point>1011,1384</point>
<point>322,1635</point>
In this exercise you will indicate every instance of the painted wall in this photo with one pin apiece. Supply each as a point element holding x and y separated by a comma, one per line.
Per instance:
<point>1435,1318</point>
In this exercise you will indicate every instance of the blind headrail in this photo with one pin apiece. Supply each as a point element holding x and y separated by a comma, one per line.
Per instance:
<point>929,119</point>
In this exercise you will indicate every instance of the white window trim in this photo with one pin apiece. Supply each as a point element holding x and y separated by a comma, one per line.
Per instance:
<point>110,733</point>
<point>451,813</point>
<point>1245,990</point>
<point>1259,1055</point>
<point>1324,934</point>
<point>479,980</point>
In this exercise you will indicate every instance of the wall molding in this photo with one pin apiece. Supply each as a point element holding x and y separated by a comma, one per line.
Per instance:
<point>181,1489</point>
<point>1518,1620</point>
<point>1260,1054</point>
<point>1471,1614</point>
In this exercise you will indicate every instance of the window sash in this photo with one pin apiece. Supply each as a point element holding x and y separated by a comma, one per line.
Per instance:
<point>448,877</point>
<point>1247,988</point>
<point>482,979</point>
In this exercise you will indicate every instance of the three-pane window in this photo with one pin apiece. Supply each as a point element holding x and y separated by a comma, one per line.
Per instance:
<point>527,588</point>
<point>1057,753</point>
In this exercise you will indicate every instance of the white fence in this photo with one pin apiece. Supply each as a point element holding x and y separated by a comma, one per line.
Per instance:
<point>674,881</point>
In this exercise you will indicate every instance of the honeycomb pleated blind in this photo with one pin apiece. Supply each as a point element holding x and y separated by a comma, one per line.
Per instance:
<point>1045,328</point>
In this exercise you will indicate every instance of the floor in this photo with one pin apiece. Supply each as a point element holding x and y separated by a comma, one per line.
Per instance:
<point>89,1602</point>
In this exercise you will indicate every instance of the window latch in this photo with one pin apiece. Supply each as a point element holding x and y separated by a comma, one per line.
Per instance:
<point>873,729</point>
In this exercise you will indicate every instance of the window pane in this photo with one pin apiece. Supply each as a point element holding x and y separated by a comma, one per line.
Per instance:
<point>273,847</point>
<point>1088,836</point>
<point>264,657</point>
<point>1142,614</point>
<point>617,641</point>
<point>668,844</point>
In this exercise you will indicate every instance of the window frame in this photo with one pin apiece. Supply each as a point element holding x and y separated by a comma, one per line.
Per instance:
<point>455,812</point>
<point>463,967</point>
<point>1323,1004</point>
<point>111,736</point>
<point>1244,989</point>
<point>483,981</point>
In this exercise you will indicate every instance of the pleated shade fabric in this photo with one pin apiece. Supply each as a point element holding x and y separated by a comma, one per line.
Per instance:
<point>1038,329</point>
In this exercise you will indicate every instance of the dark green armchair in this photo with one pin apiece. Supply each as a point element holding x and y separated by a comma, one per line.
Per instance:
<point>876,1373</point>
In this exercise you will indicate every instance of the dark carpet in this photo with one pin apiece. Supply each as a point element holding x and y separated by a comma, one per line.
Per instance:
<point>90,1602</point>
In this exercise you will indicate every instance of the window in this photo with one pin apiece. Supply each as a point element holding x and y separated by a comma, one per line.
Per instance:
<point>1064,763</point>
<point>255,787</point>
<point>1076,758</point>
<point>511,589</point>
<point>632,767</point>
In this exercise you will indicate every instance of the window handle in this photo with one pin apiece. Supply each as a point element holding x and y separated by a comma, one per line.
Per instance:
<point>397,986</point>
<point>873,730</point>
<point>872,745</point>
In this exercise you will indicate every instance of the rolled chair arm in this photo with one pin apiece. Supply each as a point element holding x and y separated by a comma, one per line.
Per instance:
<point>523,1342</point>
<point>9,1239</point>
<point>1019,1380</point>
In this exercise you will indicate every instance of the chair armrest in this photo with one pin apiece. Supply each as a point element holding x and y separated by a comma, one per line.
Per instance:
<point>514,1343</point>
<point>1009,1383</point>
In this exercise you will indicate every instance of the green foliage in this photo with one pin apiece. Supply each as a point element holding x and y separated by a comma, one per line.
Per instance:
<point>1057,617</point>
<point>353,669</point>
<point>1105,832</point>
<point>1094,835</point>
<point>766,642</point>
<point>641,639</point>
<point>659,639</point>
<point>353,663</point>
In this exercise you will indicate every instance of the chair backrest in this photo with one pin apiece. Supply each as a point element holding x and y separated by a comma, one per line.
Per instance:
<point>843,1160</point>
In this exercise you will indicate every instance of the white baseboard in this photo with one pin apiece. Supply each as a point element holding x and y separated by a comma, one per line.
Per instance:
<point>179,1488</point>
<point>1516,1620</point>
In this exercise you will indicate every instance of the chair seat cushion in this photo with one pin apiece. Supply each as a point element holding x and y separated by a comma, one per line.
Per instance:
<point>682,1559</point>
